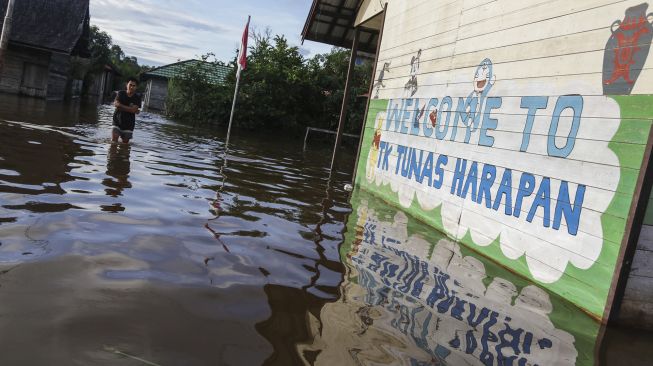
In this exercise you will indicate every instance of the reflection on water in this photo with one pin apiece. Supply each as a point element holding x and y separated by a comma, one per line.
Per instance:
<point>125,247</point>
<point>117,169</point>
<point>413,297</point>
<point>112,252</point>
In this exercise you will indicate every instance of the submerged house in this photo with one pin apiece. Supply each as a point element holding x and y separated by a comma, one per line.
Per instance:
<point>45,34</point>
<point>101,83</point>
<point>520,129</point>
<point>157,80</point>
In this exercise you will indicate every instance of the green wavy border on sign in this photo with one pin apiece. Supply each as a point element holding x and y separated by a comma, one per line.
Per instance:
<point>588,289</point>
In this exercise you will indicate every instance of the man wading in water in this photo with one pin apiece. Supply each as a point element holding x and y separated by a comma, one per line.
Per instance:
<point>127,105</point>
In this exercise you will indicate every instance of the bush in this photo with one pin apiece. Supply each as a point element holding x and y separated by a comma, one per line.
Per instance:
<point>280,89</point>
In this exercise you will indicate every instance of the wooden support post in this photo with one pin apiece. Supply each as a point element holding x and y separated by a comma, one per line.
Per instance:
<point>369,94</point>
<point>631,236</point>
<point>6,31</point>
<point>345,98</point>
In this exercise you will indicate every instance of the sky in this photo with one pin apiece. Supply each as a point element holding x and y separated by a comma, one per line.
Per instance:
<point>160,32</point>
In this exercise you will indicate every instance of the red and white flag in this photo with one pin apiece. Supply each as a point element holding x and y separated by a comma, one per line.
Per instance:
<point>242,54</point>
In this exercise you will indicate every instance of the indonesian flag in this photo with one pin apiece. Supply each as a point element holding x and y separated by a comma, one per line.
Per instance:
<point>242,54</point>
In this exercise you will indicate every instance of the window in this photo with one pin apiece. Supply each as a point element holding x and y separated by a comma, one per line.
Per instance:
<point>34,76</point>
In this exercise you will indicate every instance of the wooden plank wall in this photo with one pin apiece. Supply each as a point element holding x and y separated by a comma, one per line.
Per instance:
<point>368,9</point>
<point>11,79</point>
<point>637,305</point>
<point>12,72</point>
<point>558,57</point>
<point>59,71</point>
<point>157,91</point>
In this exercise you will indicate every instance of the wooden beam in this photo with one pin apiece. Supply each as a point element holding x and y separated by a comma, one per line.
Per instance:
<point>341,8</point>
<point>345,98</point>
<point>630,239</point>
<point>369,95</point>
<point>309,20</point>
<point>6,31</point>
<point>335,20</point>
<point>339,42</point>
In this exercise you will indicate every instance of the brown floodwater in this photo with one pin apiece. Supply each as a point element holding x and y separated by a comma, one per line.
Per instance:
<point>154,253</point>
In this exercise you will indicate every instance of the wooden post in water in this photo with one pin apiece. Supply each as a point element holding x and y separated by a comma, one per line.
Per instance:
<point>6,31</point>
<point>345,98</point>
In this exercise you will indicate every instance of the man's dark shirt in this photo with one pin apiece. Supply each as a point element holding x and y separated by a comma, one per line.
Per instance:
<point>126,120</point>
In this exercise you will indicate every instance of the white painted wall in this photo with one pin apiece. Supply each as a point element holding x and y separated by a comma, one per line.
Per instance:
<point>536,48</point>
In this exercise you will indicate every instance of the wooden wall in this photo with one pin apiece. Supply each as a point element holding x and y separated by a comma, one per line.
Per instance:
<point>35,73</point>
<point>100,86</point>
<point>59,71</point>
<point>367,10</point>
<point>518,128</point>
<point>637,305</point>
<point>25,72</point>
<point>155,94</point>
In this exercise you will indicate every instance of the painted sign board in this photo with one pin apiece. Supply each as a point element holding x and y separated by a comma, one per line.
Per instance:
<point>517,128</point>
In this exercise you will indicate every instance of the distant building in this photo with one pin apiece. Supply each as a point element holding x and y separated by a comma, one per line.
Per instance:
<point>101,83</point>
<point>45,34</point>
<point>157,80</point>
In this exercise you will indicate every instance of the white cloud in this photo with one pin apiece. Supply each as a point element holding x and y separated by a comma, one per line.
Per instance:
<point>165,31</point>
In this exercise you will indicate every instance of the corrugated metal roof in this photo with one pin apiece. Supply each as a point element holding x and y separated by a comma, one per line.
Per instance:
<point>215,73</point>
<point>332,22</point>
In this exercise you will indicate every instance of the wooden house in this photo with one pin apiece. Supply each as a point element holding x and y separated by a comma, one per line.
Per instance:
<point>156,90</point>
<point>519,128</point>
<point>101,83</point>
<point>45,34</point>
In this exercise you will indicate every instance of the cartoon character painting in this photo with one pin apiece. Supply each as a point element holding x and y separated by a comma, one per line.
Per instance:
<point>484,79</point>
<point>379,81</point>
<point>373,157</point>
<point>411,85</point>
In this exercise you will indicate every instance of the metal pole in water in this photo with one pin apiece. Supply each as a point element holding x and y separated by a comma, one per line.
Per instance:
<point>242,62</point>
<point>345,98</point>
<point>6,31</point>
<point>231,116</point>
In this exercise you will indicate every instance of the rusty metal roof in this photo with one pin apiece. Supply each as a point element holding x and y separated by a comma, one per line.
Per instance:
<point>55,25</point>
<point>332,22</point>
<point>214,73</point>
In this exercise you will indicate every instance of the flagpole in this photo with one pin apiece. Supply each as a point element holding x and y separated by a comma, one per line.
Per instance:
<point>231,117</point>
<point>243,44</point>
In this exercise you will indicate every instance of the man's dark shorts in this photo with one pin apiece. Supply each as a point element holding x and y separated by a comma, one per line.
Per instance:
<point>124,134</point>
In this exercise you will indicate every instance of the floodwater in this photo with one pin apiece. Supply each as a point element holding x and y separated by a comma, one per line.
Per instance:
<point>154,253</point>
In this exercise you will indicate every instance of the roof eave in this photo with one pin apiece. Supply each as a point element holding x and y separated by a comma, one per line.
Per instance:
<point>342,18</point>
<point>309,19</point>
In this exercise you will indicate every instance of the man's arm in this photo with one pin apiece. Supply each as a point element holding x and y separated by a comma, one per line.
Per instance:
<point>137,106</point>
<point>124,108</point>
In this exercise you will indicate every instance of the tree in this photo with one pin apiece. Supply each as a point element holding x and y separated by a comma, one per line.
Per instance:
<point>100,46</point>
<point>330,74</point>
<point>280,89</point>
<point>104,52</point>
<point>192,98</point>
<point>116,53</point>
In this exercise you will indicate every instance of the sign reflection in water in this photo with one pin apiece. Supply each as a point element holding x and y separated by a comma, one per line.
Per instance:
<point>413,295</point>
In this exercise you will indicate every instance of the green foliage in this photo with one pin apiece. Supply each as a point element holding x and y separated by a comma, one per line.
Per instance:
<point>100,47</point>
<point>192,98</point>
<point>104,52</point>
<point>280,89</point>
<point>330,73</point>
